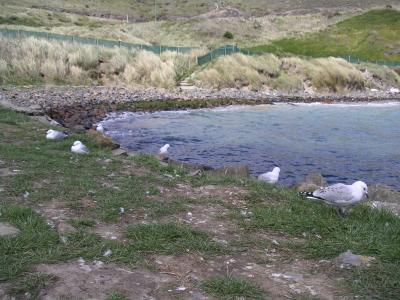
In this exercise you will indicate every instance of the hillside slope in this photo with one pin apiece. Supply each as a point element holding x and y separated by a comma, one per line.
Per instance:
<point>374,35</point>
<point>144,10</point>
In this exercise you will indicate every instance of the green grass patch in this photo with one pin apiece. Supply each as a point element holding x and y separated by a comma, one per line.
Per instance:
<point>365,231</point>
<point>371,36</point>
<point>25,21</point>
<point>116,296</point>
<point>180,104</point>
<point>229,287</point>
<point>170,239</point>
<point>82,223</point>
<point>380,281</point>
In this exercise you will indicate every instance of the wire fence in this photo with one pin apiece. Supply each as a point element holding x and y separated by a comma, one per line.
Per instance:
<point>158,49</point>
<point>221,51</point>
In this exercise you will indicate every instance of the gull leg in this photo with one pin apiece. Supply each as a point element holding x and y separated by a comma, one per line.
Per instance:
<point>341,212</point>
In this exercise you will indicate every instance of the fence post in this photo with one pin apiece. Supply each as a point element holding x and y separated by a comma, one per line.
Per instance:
<point>73,39</point>
<point>197,59</point>
<point>225,50</point>
<point>97,42</point>
<point>160,49</point>
<point>19,33</point>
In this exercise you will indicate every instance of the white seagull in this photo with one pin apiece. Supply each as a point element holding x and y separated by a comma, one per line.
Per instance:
<point>340,195</point>
<point>270,177</point>
<point>100,128</point>
<point>164,149</point>
<point>79,148</point>
<point>55,135</point>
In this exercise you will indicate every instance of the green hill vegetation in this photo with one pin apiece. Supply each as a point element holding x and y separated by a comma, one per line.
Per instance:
<point>372,36</point>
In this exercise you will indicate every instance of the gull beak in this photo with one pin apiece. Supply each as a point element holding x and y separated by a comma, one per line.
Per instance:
<point>366,195</point>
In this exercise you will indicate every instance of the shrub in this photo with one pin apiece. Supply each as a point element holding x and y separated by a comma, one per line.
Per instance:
<point>228,35</point>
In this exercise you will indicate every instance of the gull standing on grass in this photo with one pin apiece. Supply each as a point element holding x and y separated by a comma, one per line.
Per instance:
<point>55,135</point>
<point>270,177</point>
<point>164,150</point>
<point>79,148</point>
<point>340,195</point>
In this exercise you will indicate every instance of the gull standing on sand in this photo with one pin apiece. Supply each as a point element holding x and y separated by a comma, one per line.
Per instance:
<point>270,177</point>
<point>100,128</point>
<point>79,148</point>
<point>164,150</point>
<point>55,135</point>
<point>340,195</point>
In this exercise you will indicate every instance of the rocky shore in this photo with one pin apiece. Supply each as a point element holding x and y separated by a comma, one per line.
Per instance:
<point>82,106</point>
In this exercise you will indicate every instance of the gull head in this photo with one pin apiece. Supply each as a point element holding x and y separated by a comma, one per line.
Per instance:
<point>276,170</point>
<point>49,131</point>
<point>167,146</point>
<point>361,186</point>
<point>76,143</point>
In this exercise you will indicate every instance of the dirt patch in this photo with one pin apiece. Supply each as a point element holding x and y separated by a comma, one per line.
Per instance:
<point>94,280</point>
<point>57,215</point>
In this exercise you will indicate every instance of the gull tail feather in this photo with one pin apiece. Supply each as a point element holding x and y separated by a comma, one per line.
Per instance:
<point>310,195</point>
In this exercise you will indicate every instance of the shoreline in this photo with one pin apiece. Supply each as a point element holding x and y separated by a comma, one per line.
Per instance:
<point>83,106</point>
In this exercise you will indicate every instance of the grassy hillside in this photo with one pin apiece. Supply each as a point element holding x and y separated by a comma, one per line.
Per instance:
<point>186,32</point>
<point>374,35</point>
<point>166,9</point>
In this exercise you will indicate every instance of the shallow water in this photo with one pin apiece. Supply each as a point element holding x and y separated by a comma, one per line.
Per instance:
<point>343,142</point>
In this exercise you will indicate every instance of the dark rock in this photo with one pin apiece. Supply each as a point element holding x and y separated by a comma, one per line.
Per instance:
<point>87,124</point>
<point>119,152</point>
<point>241,171</point>
<point>103,140</point>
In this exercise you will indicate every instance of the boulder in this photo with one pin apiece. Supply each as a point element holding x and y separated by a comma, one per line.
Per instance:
<point>311,182</point>
<point>103,140</point>
<point>7,229</point>
<point>348,259</point>
<point>240,171</point>
<point>119,152</point>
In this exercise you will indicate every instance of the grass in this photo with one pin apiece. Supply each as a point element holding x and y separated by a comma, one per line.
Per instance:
<point>322,234</point>
<point>170,239</point>
<point>82,223</point>
<point>364,232</point>
<point>371,36</point>
<point>230,287</point>
<point>40,61</point>
<point>116,296</point>
<point>32,284</point>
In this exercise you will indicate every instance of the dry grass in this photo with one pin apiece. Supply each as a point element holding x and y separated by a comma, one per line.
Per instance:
<point>291,74</point>
<point>32,60</point>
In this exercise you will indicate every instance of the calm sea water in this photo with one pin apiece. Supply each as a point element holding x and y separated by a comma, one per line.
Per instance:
<point>343,142</point>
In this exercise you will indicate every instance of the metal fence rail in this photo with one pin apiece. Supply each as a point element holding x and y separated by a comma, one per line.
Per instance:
<point>221,51</point>
<point>158,49</point>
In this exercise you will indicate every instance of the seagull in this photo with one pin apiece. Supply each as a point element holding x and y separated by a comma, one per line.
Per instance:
<point>164,149</point>
<point>79,148</point>
<point>270,177</point>
<point>100,128</point>
<point>55,135</point>
<point>340,195</point>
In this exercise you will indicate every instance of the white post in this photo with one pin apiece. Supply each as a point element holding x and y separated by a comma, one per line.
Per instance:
<point>155,11</point>
<point>127,19</point>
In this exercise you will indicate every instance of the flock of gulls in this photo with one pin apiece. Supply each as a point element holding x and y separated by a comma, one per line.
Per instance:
<point>339,195</point>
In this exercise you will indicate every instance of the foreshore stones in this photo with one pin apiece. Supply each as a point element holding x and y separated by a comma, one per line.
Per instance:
<point>103,140</point>
<point>73,105</point>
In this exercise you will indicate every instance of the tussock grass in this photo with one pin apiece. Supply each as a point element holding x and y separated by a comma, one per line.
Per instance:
<point>230,287</point>
<point>291,74</point>
<point>29,61</point>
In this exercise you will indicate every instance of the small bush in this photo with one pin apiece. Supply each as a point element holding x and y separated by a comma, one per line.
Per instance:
<point>228,35</point>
